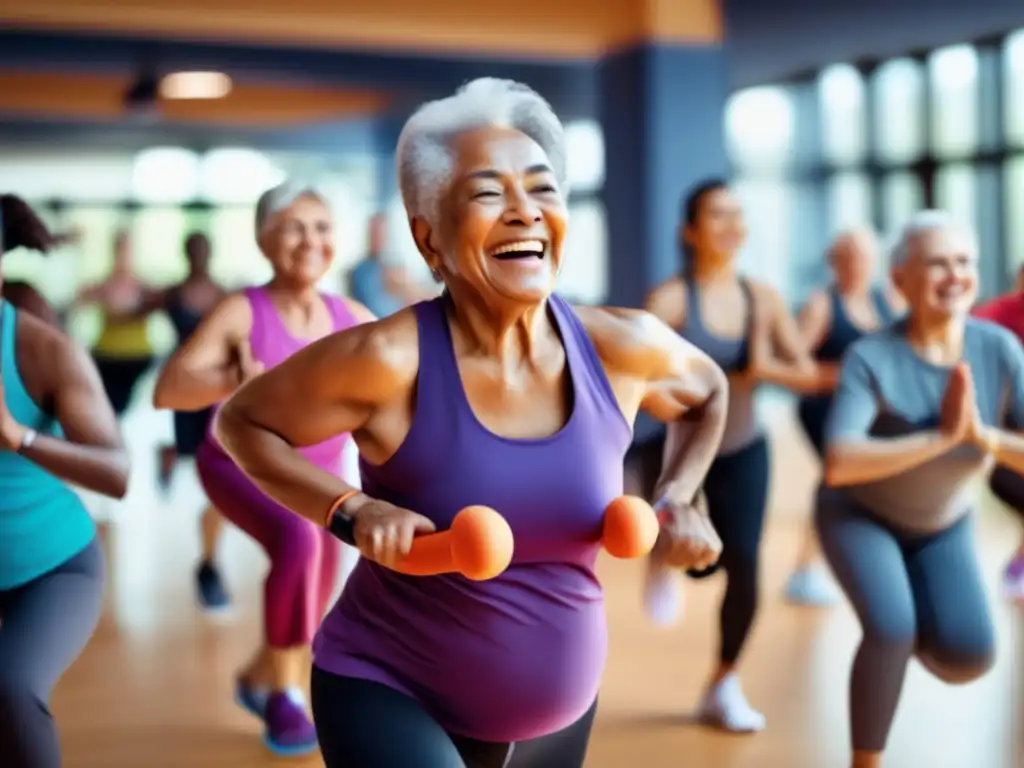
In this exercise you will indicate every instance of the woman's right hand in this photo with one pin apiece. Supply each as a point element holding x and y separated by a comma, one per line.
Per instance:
<point>958,412</point>
<point>384,532</point>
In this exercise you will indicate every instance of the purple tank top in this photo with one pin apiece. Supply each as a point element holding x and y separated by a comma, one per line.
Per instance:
<point>521,655</point>
<point>272,343</point>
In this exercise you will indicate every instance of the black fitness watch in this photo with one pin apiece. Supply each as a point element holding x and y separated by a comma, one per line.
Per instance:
<point>343,526</point>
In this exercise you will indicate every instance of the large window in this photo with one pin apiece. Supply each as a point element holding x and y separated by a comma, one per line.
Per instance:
<point>955,113</point>
<point>1013,88</point>
<point>901,196</point>
<point>1015,205</point>
<point>841,98</point>
<point>899,91</point>
<point>850,200</point>
<point>760,128</point>
<point>956,191</point>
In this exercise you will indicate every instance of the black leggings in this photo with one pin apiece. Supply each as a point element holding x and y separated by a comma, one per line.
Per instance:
<point>120,376</point>
<point>363,724</point>
<point>736,488</point>
<point>1007,486</point>
<point>812,412</point>
<point>44,625</point>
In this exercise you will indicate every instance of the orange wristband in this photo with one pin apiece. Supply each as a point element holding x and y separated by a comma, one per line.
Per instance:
<point>336,504</point>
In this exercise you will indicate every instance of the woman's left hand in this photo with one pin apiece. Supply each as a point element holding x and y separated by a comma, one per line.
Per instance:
<point>12,434</point>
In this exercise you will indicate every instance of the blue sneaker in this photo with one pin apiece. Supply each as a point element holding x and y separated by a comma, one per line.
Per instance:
<point>289,731</point>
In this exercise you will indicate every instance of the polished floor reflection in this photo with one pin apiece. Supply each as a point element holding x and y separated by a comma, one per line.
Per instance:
<point>153,690</point>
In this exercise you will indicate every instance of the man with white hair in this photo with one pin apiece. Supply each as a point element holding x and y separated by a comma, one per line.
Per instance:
<point>915,418</point>
<point>497,393</point>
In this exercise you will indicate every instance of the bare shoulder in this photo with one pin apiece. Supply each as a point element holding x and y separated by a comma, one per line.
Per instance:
<point>382,356</point>
<point>765,291</point>
<point>632,341</point>
<point>47,356</point>
<point>819,302</point>
<point>672,289</point>
<point>232,314</point>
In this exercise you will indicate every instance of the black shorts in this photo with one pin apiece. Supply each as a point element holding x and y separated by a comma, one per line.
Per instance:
<point>120,376</point>
<point>190,430</point>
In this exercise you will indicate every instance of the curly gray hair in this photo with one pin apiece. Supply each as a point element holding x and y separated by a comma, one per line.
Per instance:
<point>424,156</point>
<point>279,198</point>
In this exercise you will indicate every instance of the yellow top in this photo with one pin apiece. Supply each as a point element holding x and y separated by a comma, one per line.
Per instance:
<point>124,338</point>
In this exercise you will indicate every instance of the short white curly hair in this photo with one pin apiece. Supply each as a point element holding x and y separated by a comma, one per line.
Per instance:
<point>920,223</point>
<point>424,158</point>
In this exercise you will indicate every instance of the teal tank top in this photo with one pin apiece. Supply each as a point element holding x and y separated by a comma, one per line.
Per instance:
<point>43,522</point>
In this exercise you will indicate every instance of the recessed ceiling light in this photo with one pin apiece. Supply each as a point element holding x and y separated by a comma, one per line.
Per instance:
<point>195,85</point>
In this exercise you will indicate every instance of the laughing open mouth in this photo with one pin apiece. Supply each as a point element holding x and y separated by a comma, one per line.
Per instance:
<point>522,249</point>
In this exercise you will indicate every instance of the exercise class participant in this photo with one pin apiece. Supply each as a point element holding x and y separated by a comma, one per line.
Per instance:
<point>247,333</point>
<point>1007,485</point>
<point>745,327</point>
<point>57,430</point>
<point>123,351</point>
<point>497,393</point>
<point>186,304</point>
<point>913,418</point>
<point>831,320</point>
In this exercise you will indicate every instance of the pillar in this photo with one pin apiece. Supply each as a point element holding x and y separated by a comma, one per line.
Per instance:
<point>662,101</point>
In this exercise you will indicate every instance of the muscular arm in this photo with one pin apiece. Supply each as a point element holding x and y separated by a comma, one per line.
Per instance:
<point>671,380</point>
<point>92,454</point>
<point>853,457</point>
<point>335,385</point>
<point>203,371</point>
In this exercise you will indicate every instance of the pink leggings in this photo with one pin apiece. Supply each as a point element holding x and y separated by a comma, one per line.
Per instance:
<point>304,558</point>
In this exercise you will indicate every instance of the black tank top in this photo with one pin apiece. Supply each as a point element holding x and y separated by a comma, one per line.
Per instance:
<point>843,331</point>
<point>184,319</point>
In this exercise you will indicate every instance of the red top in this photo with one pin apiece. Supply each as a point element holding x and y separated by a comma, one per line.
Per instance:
<point>1007,311</point>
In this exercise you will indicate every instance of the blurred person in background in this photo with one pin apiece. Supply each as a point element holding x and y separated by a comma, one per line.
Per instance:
<point>379,285</point>
<point>57,432</point>
<point>746,328</point>
<point>247,332</point>
<point>1007,485</point>
<point>123,352</point>
<point>186,304</point>
<point>831,320</point>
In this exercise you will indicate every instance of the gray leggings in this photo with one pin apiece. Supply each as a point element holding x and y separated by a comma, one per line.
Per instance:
<point>44,625</point>
<point>914,594</point>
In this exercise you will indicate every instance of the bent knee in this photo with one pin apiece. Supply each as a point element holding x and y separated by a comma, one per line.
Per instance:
<point>958,668</point>
<point>17,696</point>
<point>298,542</point>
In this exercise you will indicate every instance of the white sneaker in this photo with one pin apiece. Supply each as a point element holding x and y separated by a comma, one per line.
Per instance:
<point>663,594</point>
<point>725,707</point>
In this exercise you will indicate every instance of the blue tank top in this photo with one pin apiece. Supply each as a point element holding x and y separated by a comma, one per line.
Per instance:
<point>43,522</point>
<point>731,355</point>
<point>521,655</point>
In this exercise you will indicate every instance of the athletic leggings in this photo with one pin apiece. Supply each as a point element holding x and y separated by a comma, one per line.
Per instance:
<point>304,558</point>
<point>369,725</point>
<point>736,488</point>
<point>914,594</point>
<point>812,411</point>
<point>44,625</point>
<point>120,376</point>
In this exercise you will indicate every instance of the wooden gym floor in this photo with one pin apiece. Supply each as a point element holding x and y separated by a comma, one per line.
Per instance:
<point>153,689</point>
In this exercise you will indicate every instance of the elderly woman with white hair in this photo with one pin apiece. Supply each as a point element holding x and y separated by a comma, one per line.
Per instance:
<point>246,333</point>
<point>916,416</point>
<point>832,319</point>
<point>497,393</point>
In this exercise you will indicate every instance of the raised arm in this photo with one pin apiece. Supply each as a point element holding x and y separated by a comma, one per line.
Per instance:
<point>91,454</point>
<point>205,369</point>
<point>854,457</point>
<point>341,383</point>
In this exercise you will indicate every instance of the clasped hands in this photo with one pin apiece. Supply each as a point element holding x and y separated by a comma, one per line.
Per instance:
<point>687,538</point>
<point>959,420</point>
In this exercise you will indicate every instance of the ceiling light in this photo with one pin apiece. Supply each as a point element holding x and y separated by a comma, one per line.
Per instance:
<point>195,85</point>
